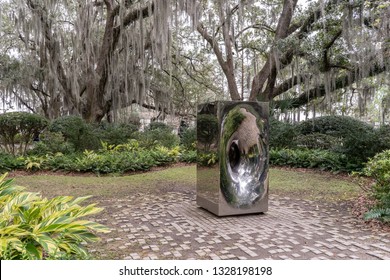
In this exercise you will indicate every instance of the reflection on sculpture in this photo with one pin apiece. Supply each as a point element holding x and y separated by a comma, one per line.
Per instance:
<point>233,159</point>
<point>243,157</point>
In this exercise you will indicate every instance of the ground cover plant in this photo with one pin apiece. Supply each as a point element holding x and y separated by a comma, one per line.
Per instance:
<point>33,227</point>
<point>109,159</point>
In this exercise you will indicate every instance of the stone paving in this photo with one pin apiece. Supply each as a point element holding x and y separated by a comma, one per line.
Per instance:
<point>171,226</point>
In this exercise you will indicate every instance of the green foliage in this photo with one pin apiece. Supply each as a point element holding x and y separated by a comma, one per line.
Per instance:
<point>355,139</point>
<point>189,156</point>
<point>379,168</point>
<point>322,159</point>
<point>383,137</point>
<point>207,159</point>
<point>32,227</point>
<point>157,126</point>
<point>50,143</point>
<point>157,134</point>
<point>122,160</point>
<point>317,141</point>
<point>337,126</point>
<point>131,156</point>
<point>206,129</point>
<point>188,138</point>
<point>34,162</point>
<point>9,162</point>
<point>77,132</point>
<point>233,120</point>
<point>115,134</point>
<point>20,127</point>
<point>281,134</point>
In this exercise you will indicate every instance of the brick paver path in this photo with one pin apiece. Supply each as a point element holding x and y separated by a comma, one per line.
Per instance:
<point>171,226</point>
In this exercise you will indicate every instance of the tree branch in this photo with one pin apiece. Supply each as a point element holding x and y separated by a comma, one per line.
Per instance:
<point>320,90</point>
<point>270,65</point>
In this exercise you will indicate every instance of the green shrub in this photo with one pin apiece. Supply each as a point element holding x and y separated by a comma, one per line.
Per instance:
<point>379,168</point>
<point>206,129</point>
<point>110,159</point>
<point>321,159</point>
<point>60,161</point>
<point>188,138</point>
<point>116,134</point>
<point>50,143</point>
<point>383,135</point>
<point>207,159</point>
<point>158,125</point>
<point>157,134</point>
<point>122,158</point>
<point>317,141</point>
<point>337,126</point>
<point>76,132</point>
<point>355,139</point>
<point>32,227</point>
<point>9,162</point>
<point>21,128</point>
<point>189,156</point>
<point>281,134</point>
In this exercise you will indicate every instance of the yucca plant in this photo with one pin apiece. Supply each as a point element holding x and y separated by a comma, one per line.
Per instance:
<point>32,227</point>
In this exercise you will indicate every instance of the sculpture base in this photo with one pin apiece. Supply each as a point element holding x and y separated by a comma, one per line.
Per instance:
<point>224,210</point>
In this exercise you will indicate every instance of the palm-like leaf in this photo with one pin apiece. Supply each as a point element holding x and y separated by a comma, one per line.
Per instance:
<point>32,227</point>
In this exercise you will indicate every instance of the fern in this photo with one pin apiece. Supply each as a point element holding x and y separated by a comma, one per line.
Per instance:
<point>378,213</point>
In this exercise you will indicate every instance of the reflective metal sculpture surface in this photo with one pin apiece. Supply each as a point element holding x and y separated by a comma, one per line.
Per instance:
<point>243,156</point>
<point>233,157</point>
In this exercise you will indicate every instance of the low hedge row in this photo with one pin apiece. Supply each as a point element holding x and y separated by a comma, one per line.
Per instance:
<point>305,158</point>
<point>119,159</point>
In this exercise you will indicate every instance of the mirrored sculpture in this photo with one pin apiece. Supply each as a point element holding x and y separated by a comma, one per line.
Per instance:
<point>232,171</point>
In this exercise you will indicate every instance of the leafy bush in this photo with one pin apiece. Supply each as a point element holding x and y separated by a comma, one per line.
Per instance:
<point>9,162</point>
<point>158,125</point>
<point>77,132</point>
<point>157,134</point>
<point>32,227</point>
<point>354,138</point>
<point>188,138</point>
<point>189,156</point>
<point>21,127</point>
<point>206,129</point>
<point>110,159</point>
<point>337,126</point>
<point>322,159</point>
<point>383,137</point>
<point>281,134</point>
<point>317,141</point>
<point>115,134</point>
<point>379,169</point>
<point>52,142</point>
<point>207,159</point>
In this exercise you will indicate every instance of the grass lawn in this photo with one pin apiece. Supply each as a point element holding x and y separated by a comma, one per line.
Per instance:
<point>305,184</point>
<point>312,185</point>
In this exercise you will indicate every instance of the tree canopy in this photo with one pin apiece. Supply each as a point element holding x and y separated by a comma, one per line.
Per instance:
<point>92,58</point>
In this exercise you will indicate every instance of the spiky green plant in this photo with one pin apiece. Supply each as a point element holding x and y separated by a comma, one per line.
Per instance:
<point>32,227</point>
